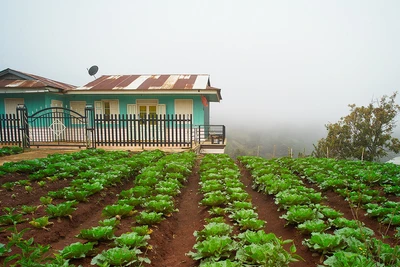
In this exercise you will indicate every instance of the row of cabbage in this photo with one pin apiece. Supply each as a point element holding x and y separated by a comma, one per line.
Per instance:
<point>228,204</point>
<point>89,172</point>
<point>343,242</point>
<point>362,184</point>
<point>151,197</point>
<point>103,169</point>
<point>10,150</point>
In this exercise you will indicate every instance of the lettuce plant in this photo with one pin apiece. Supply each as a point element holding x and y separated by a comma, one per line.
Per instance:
<point>300,214</point>
<point>77,250</point>
<point>113,222</point>
<point>61,210</point>
<point>118,256</point>
<point>222,263</point>
<point>25,209</point>
<point>251,224</point>
<point>41,222</point>
<point>362,233</point>
<point>117,210</point>
<point>316,225</point>
<point>267,254</point>
<point>214,248</point>
<point>149,218</point>
<point>324,243</point>
<point>213,229</point>
<point>343,258</point>
<point>97,233</point>
<point>215,198</point>
<point>9,217</point>
<point>162,206</point>
<point>132,240</point>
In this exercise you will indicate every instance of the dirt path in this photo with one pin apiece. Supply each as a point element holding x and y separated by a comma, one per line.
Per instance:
<point>174,236</point>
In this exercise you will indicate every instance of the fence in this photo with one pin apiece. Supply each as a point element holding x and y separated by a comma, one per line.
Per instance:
<point>9,130</point>
<point>57,126</point>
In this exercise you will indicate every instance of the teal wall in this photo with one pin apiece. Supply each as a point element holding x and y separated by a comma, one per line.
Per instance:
<point>35,102</point>
<point>198,111</point>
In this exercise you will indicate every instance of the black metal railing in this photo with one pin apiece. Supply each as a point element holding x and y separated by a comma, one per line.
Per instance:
<point>212,134</point>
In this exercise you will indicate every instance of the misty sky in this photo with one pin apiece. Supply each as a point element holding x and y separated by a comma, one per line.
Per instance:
<point>294,62</point>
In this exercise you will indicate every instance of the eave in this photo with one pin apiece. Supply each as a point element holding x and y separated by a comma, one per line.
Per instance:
<point>214,95</point>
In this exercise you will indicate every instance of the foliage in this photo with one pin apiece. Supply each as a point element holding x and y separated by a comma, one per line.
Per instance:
<point>113,222</point>
<point>365,133</point>
<point>299,214</point>
<point>117,210</point>
<point>41,222</point>
<point>77,250</point>
<point>61,210</point>
<point>25,209</point>
<point>222,263</point>
<point>6,150</point>
<point>213,229</point>
<point>310,226</point>
<point>267,254</point>
<point>163,206</point>
<point>118,256</point>
<point>214,248</point>
<point>347,259</point>
<point>97,233</point>
<point>324,243</point>
<point>9,218</point>
<point>132,240</point>
<point>149,218</point>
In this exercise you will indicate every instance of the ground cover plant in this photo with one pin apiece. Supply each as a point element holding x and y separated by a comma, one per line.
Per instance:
<point>307,212</point>
<point>216,245</point>
<point>7,150</point>
<point>121,210</point>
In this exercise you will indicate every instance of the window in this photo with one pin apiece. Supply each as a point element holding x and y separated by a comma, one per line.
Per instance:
<point>106,107</point>
<point>78,107</point>
<point>11,104</point>
<point>184,106</point>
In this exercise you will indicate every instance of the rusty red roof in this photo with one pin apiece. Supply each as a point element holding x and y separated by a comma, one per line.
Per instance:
<point>149,82</point>
<point>19,79</point>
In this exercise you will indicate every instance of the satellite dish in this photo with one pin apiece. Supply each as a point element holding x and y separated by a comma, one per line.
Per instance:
<point>93,70</point>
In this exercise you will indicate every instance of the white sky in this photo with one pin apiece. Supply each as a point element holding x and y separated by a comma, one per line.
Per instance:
<point>298,62</point>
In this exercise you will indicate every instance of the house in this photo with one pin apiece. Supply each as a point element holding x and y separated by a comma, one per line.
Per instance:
<point>135,109</point>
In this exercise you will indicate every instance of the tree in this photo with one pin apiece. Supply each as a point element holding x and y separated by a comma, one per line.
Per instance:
<point>366,133</point>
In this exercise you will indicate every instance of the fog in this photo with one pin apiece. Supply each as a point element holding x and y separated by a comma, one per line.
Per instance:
<point>286,68</point>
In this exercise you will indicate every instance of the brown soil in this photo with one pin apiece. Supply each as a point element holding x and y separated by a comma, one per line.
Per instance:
<point>170,240</point>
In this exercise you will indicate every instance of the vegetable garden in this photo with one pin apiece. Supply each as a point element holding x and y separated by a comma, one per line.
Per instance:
<point>117,208</point>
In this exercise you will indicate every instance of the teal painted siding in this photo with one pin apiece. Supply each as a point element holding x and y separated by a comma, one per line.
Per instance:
<point>35,102</point>
<point>32,101</point>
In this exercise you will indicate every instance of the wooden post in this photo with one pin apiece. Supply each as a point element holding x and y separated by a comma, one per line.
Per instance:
<point>327,152</point>
<point>362,155</point>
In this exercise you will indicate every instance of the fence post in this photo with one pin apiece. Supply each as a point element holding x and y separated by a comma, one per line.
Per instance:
<point>90,127</point>
<point>22,118</point>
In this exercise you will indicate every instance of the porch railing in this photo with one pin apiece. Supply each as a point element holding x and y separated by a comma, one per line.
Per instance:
<point>212,134</point>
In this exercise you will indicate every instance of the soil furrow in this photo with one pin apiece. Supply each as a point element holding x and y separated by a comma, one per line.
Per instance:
<point>173,237</point>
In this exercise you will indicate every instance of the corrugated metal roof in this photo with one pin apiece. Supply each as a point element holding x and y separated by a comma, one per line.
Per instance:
<point>149,82</point>
<point>28,80</point>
